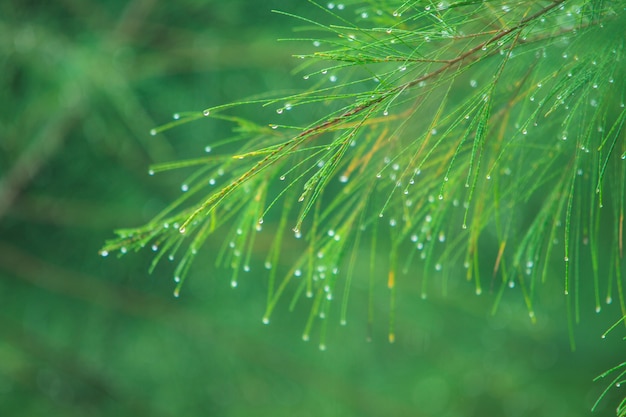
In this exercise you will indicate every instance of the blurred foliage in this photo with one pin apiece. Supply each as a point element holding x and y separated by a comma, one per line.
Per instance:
<point>83,83</point>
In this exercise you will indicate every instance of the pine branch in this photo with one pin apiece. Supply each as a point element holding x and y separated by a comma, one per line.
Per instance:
<point>471,138</point>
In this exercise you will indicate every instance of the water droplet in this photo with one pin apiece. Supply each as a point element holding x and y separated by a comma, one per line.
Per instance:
<point>438,267</point>
<point>332,78</point>
<point>479,291</point>
<point>305,337</point>
<point>297,272</point>
<point>266,320</point>
<point>598,309</point>
<point>388,30</point>
<point>282,178</point>
<point>151,172</point>
<point>206,112</point>
<point>233,284</point>
<point>184,188</point>
<point>155,248</point>
<point>182,230</point>
<point>246,268</point>
<point>123,249</point>
<point>473,83</point>
<point>305,77</point>
<point>279,111</point>
<point>274,126</point>
<point>260,220</point>
<point>511,284</point>
<point>322,347</point>
<point>207,149</point>
<point>104,253</point>
<point>153,132</point>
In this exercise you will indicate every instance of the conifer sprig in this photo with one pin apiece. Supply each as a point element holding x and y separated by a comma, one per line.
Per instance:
<point>479,135</point>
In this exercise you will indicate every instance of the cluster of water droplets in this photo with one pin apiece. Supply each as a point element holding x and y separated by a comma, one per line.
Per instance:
<point>338,6</point>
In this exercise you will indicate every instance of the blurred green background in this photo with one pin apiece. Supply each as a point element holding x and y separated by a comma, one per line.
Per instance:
<point>82,83</point>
